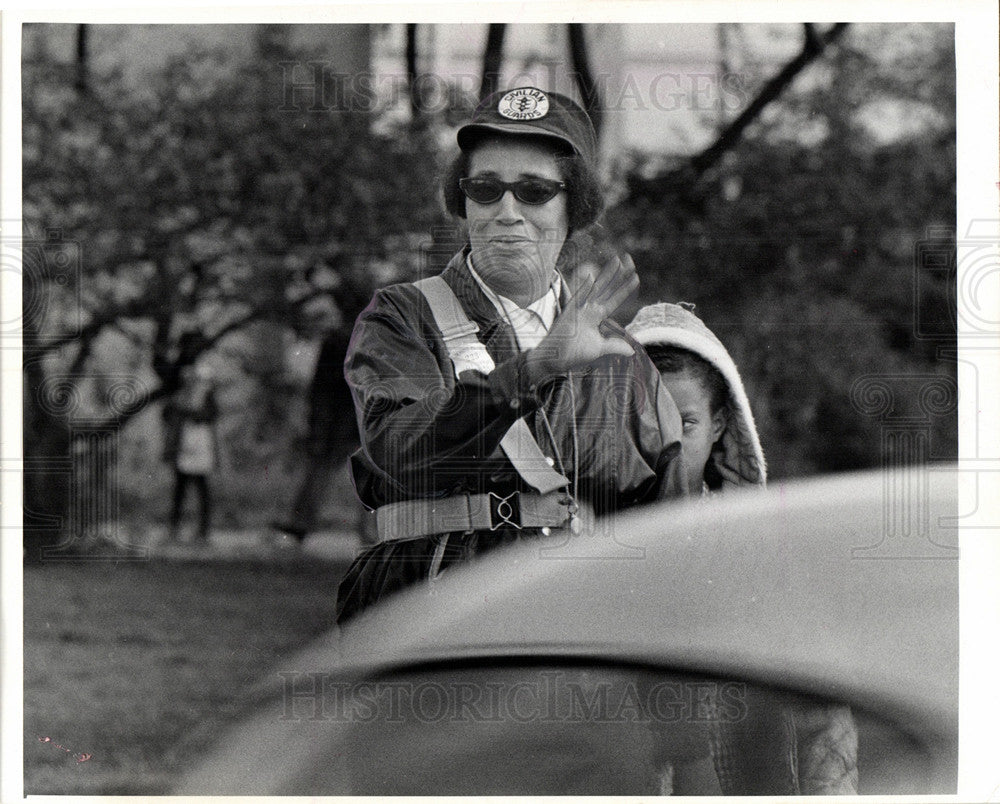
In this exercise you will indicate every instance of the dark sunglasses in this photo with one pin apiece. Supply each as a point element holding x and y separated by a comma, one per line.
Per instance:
<point>527,191</point>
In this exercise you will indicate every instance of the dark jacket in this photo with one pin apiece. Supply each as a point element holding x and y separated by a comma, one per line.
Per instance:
<point>426,433</point>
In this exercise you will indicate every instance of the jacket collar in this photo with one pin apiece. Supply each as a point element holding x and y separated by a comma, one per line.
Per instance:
<point>494,332</point>
<point>477,306</point>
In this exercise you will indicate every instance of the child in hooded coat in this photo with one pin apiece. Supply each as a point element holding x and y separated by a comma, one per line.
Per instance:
<point>720,442</point>
<point>816,747</point>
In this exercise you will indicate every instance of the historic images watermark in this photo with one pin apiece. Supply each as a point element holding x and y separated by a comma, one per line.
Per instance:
<point>316,86</point>
<point>952,280</point>
<point>548,696</point>
<point>50,269</point>
<point>74,449</point>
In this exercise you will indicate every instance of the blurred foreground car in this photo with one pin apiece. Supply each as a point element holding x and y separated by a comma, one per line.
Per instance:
<point>593,664</point>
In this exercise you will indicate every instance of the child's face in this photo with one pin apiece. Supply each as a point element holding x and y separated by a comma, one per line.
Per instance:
<point>702,428</point>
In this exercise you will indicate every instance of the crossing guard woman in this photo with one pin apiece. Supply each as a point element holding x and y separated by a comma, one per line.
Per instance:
<point>498,401</point>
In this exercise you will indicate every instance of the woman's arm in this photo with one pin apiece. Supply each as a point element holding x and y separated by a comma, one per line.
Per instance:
<point>419,423</point>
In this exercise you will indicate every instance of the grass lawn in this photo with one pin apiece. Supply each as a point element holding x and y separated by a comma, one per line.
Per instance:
<point>138,664</point>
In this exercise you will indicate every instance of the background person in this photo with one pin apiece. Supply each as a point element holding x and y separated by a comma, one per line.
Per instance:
<point>497,399</point>
<point>332,436</point>
<point>192,446</point>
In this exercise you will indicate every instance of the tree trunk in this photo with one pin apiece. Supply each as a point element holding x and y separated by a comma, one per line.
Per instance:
<point>82,57</point>
<point>45,431</point>
<point>492,59</point>
<point>46,479</point>
<point>411,70</point>
<point>589,90</point>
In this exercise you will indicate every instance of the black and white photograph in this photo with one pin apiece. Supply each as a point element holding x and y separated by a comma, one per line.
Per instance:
<point>509,400</point>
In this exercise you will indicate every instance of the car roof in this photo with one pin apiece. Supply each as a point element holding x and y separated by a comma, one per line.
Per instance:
<point>845,587</point>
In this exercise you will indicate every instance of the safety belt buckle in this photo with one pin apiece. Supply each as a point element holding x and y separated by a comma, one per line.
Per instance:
<point>505,511</point>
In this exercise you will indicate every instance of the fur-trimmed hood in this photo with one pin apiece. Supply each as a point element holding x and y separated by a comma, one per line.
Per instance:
<point>740,460</point>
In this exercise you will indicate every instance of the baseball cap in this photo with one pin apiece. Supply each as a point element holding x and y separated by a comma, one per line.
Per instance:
<point>529,110</point>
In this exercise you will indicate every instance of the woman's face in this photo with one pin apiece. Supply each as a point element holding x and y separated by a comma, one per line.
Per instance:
<point>515,245</point>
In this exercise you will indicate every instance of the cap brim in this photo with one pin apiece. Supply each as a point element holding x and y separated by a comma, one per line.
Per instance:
<point>469,132</point>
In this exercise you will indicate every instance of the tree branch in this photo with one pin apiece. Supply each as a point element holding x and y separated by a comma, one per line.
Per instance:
<point>134,337</point>
<point>260,314</point>
<point>82,354</point>
<point>88,332</point>
<point>814,44</point>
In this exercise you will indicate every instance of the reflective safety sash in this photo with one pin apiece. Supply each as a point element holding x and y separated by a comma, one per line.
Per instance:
<point>467,352</point>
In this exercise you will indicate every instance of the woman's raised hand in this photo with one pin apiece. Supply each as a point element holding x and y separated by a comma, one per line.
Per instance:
<point>578,336</point>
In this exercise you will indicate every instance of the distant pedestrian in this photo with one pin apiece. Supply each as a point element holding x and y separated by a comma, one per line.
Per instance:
<point>332,437</point>
<point>191,446</point>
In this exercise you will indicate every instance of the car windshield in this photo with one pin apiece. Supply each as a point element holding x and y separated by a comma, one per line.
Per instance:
<point>599,728</point>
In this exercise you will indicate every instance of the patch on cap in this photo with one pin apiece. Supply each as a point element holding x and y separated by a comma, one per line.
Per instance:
<point>526,103</point>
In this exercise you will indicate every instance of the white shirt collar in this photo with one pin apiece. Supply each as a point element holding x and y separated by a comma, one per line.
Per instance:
<point>545,307</point>
<point>529,323</point>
